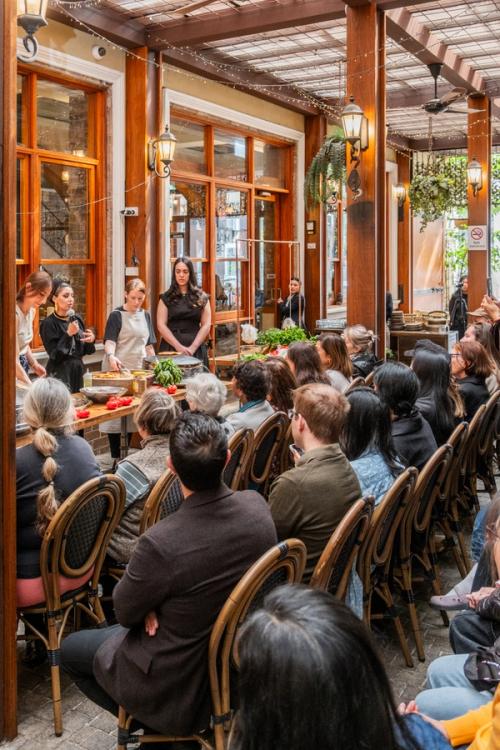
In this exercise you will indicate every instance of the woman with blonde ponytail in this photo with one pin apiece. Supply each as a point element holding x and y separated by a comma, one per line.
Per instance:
<point>359,342</point>
<point>47,472</point>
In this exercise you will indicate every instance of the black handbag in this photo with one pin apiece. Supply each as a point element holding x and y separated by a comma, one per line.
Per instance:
<point>482,668</point>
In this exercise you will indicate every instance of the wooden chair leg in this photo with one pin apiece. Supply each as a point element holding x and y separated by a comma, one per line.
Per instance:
<point>430,572</point>
<point>410,603</point>
<point>392,612</point>
<point>54,655</point>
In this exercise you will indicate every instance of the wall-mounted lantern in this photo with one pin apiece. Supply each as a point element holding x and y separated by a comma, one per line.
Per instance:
<point>31,16</point>
<point>355,126</point>
<point>399,193</point>
<point>161,153</point>
<point>475,176</point>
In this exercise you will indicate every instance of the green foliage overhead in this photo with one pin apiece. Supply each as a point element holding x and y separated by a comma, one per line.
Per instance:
<point>327,171</point>
<point>430,196</point>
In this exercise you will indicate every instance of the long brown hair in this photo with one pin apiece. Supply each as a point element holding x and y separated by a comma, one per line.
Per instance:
<point>47,409</point>
<point>335,348</point>
<point>478,361</point>
<point>307,363</point>
<point>484,334</point>
<point>38,281</point>
<point>282,384</point>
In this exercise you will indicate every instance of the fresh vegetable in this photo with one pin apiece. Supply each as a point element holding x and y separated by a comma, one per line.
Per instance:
<point>82,413</point>
<point>274,337</point>
<point>112,403</point>
<point>252,356</point>
<point>167,373</point>
<point>125,400</point>
<point>172,389</point>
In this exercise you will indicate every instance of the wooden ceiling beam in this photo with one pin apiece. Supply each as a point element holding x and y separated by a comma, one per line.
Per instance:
<point>111,24</point>
<point>284,96</point>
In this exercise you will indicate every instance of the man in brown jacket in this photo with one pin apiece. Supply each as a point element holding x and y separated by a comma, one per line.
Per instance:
<point>154,663</point>
<point>309,501</point>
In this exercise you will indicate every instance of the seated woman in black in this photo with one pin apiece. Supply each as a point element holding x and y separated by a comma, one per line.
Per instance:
<point>471,366</point>
<point>435,401</point>
<point>397,386</point>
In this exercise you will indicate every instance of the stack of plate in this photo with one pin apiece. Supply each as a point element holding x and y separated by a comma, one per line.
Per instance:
<point>397,320</point>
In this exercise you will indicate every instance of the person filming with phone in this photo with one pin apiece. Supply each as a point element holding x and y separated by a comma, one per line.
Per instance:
<point>309,501</point>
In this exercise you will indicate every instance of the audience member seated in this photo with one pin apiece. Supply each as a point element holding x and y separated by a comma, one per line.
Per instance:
<point>471,365</point>
<point>282,383</point>
<point>47,471</point>
<point>311,678</point>
<point>367,442</point>
<point>483,333</point>
<point>434,401</point>
<point>335,360</point>
<point>154,662</point>
<point>309,501</point>
<point>305,364</point>
<point>397,387</point>
<point>140,471</point>
<point>207,394</point>
<point>359,343</point>
<point>250,385</point>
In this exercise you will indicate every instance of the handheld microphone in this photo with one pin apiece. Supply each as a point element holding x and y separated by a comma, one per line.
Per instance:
<point>71,315</point>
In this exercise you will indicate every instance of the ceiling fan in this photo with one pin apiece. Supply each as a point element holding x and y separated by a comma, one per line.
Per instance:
<point>445,103</point>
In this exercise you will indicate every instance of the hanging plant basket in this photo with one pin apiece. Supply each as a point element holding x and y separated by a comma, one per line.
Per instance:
<point>326,174</point>
<point>431,195</point>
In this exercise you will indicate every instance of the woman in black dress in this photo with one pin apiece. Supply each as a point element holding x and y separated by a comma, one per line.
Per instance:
<point>65,338</point>
<point>183,316</point>
<point>294,305</point>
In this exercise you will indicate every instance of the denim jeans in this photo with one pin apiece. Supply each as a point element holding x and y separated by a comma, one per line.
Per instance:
<point>449,693</point>
<point>478,532</point>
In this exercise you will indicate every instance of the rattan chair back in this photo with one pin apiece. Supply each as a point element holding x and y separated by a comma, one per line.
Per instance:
<point>376,550</point>
<point>488,426</point>
<point>241,447</point>
<point>267,445</point>
<point>282,564</point>
<point>334,567</point>
<point>286,461</point>
<point>356,383</point>
<point>458,443</point>
<point>164,499</point>
<point>369,379</point>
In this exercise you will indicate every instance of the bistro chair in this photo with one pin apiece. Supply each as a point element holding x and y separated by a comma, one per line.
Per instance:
<point>267,447</point>
<point>286,461</point>
<point>164,499</point>
<point>358,382</point>
<point>469,502</point>
<point>375,556</point>
<point>74,546</point>
<point>333,569</point>
<point>415,536</point>
<point>283,563</point>
<point>241,447</point>
<point>485,445</point>
<point>369,379</point>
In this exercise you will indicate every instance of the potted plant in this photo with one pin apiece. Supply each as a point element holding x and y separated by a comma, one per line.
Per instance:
<point>326,172</point>
<point>431,195</point>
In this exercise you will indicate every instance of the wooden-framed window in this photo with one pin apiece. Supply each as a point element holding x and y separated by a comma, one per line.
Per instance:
<point>220,175</point>
<point>60,186</point>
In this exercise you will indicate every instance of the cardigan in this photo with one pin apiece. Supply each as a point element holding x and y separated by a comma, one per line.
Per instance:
<point>481,727</point>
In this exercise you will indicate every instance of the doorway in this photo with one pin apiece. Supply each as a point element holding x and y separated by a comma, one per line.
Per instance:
<point>267,262</point>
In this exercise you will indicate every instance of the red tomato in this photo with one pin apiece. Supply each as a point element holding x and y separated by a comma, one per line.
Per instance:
<point>172,389</point>
<point>112,405</point>
<point>82,413</point>
<point>125,400</point>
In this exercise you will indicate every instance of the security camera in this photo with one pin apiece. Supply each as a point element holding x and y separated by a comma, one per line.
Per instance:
<point>98,52</point>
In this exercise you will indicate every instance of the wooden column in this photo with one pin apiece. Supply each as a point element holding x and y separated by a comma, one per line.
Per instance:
<point>366,214</point>
<point>405,257</point>
<point>8,675</point>
<point>142,123</point>
<point>479,147</point>
<point>314,244</point>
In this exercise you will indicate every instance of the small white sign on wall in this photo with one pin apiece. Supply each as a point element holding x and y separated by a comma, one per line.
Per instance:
<point>478,237</point>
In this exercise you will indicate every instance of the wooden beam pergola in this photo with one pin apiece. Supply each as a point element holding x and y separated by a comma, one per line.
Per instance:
<point>111,24</point>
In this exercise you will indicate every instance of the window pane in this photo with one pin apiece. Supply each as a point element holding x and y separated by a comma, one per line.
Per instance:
<point>230,156</point>
<point>226,341</point>
<point>331,253</point>
<point>20,207</point>
<point>22,125</point>
<point>231,223</point>
<point>269,164</point>
<point>77,277</point>
<point>228,285</point>
<point>65,212</point>
<point>62,118</point>
<point>188,220</point>
<point>190,147</point>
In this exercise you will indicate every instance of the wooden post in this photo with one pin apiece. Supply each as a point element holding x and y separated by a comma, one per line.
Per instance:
<point>366,214</point>
<point>142,106</point>
<point>405,257</point>
<point>8,672</point>
<point>479,147</point>
<point>314,244</point>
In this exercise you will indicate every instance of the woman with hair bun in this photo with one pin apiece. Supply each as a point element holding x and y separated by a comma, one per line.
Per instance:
<point>47,471</point>
<point>335,360</point>
<point>32,294</point>
<point>359,342</point>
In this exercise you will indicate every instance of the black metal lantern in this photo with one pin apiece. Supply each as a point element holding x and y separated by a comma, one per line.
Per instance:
<point>161,153</point>
<point>31,16</point>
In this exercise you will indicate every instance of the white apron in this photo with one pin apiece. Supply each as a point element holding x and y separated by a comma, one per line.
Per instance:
<point>130,350</point>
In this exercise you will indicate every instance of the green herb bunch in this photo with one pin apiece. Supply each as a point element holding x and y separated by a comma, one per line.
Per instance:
<point>167,372</point>
<point>275,337</point>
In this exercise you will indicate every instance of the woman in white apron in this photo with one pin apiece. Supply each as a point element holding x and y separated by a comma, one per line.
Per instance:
<point>128,338</point>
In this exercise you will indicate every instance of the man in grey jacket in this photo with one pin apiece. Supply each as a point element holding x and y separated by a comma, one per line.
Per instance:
<point>154,663</point>
<point>309,501</point>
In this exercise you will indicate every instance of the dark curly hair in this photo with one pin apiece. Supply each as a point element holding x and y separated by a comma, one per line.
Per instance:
<point>282,383</point>
<point>253,379</point>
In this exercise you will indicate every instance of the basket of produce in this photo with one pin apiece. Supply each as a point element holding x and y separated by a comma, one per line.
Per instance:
<point>100,394</point>
<point>118,379</point>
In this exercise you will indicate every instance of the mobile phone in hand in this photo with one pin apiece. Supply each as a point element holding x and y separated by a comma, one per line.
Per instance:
<point>489,287</point>
<point>295,450</point>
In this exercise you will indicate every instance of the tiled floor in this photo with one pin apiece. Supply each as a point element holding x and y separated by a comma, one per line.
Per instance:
<point>87,728</point>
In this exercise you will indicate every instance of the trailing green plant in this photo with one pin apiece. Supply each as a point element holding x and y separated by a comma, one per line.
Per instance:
<point>431,196</point>
<point>327,171</point>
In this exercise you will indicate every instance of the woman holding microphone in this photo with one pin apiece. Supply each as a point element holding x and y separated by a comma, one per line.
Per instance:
<point>65,337</point>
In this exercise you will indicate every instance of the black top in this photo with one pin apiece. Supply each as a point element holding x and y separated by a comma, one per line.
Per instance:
<point>65,352</point>
<point>457,308</point>
<point>293,307</point>
<point>114,326</point>
<point>76,464</point>
<point>474,392</point>
<point>426,406</point>
<point>184,320</point>
<point>413,439</point>
<point>363,363</point>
